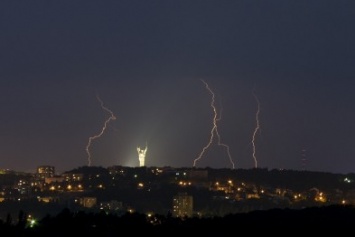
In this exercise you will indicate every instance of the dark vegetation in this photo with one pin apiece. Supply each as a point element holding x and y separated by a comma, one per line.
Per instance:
<point>334,219</point>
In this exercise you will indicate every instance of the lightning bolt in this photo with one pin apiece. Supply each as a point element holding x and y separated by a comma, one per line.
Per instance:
<point>214,131</point>
<point>257,127</point>
<point>112,117</point>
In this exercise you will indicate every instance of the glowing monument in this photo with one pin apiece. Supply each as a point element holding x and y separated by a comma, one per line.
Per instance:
<point>141,155</point>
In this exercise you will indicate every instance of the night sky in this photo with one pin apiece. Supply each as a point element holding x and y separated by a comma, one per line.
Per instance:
<point>147,61</point>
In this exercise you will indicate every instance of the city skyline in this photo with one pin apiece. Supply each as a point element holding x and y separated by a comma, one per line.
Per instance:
<point>282,74</point>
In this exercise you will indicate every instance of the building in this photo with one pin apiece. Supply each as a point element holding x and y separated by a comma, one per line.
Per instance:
<point>73,177</point>
<point>54,179</point>
<point>45,171</point>
<point>182,205</point>
<point>88,202</point>
<point>111,206</point>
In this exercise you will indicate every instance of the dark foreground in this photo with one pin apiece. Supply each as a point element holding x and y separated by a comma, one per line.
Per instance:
<point>279,222</point>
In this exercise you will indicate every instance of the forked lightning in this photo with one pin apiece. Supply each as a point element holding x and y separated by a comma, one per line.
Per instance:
<point>112,117</point>
<point>214,131</point>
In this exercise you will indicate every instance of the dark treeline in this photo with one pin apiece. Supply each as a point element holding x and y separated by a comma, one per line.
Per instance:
<point>279,222</point>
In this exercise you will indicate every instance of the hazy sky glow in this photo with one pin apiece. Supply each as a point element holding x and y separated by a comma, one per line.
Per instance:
<point>146,60</point>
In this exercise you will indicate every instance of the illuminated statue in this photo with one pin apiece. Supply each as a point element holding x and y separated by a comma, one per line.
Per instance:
<point>141,155</point>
